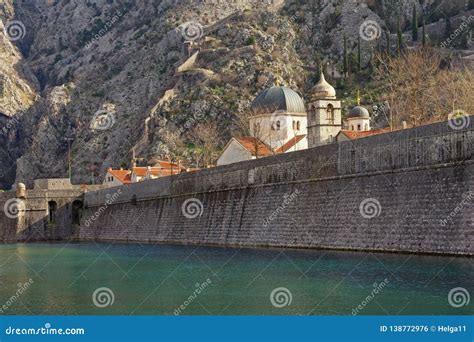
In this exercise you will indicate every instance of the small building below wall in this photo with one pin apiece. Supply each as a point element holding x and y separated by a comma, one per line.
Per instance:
<point>242,149</point>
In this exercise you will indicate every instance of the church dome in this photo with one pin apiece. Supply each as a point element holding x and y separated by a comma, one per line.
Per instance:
<point>359,112</point>
<point>279,98</point>
<point>323,90</point>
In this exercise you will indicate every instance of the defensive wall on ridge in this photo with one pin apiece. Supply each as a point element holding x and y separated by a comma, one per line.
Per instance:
<point>405,191</point>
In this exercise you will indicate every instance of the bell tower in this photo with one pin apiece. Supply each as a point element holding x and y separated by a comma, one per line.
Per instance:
<point>324,114</point>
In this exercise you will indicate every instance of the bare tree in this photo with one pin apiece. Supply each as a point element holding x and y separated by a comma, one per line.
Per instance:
<point>419,89</point>
<point>177,150</point>
<point>208,141</point>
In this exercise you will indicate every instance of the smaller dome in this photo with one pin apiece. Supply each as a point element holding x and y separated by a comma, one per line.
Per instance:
<point>323,90</point>
<point>21,186</point>
<point>359,112</point>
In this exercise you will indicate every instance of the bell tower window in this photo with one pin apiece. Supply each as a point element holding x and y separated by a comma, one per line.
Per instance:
<point>330,114</point>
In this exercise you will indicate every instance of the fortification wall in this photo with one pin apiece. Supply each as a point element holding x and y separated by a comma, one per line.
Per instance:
<point>7,224</point>
<point>40,215</point>
<point>418,181</point>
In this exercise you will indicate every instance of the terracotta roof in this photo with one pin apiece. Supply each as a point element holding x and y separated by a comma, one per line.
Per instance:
<point>164,173</point>
<point>290,144</point>
<point>123,176</point>
<point>167,165</point>
<point>255,146</point>
<point>362,134</point>
<point>140,171</point>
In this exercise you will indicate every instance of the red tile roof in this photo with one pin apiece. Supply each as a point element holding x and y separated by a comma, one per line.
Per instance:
<point>164,173</point>
<point>123,176</point>
<point>167,165</point>
<point>255,146</point>
<point>290,144</point>
<point>140,171</point>
<point>362,134</point>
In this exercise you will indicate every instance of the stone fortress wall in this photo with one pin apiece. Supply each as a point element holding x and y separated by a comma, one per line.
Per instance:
<point>417,184</point>
<point>50,211</point>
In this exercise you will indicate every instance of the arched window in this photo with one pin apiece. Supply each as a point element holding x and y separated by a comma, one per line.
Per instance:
<point>52,207</point>
<point>77,207</point>
<point>366,127</point>
<point>278,125</point>
<point>352,127</point>
<point>294,125</point>
<point>298,126</point>
<point>359,127</point>
<point>330,113</point>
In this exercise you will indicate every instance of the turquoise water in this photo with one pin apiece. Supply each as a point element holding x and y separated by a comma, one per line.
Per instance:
<point>167,280</point>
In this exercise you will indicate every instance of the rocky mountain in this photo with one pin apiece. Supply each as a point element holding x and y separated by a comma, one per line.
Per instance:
<point>108,77</point>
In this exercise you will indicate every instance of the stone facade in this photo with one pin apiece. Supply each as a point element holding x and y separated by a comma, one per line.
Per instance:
<point>413,180</point>
<point>43,215</point>
<point>405,191</point>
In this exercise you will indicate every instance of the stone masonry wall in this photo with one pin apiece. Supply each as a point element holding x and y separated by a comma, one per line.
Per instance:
<point>34,222</point>
<point>416,183</point>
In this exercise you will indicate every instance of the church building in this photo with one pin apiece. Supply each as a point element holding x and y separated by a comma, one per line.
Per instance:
<point>280,123</point>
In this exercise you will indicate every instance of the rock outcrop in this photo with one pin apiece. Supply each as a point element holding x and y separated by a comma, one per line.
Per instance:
<point>102,76</point>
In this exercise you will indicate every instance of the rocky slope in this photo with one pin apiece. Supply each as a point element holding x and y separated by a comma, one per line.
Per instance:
<point>112,76</point>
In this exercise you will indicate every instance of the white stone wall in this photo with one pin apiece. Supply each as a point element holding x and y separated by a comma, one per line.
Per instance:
<point>233,153</point>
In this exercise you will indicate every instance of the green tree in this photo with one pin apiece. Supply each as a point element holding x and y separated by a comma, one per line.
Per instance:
<point>359,55</point>
<point>352,62</point>
<point>346,58</point>
<point>251,40</point>
<point>448,28</point>
<point>423,31</point>
<point>399,38</point>
<point>414,24</point>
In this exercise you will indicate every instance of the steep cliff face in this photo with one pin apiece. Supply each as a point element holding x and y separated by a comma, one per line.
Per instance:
<point>109,76</point>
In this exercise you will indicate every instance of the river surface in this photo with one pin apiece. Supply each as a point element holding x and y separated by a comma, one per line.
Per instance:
<point>88,278</point>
